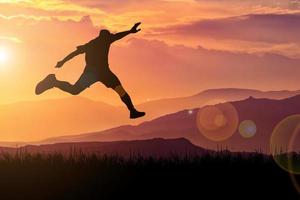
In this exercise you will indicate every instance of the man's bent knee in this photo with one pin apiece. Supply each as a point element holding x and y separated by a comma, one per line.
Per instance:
<point>120,90</point>
<point>76,90</point>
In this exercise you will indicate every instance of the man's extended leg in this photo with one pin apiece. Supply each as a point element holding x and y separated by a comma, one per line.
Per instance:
<point>127,100</point>
<point>50,82</point>
<point>67,87</point>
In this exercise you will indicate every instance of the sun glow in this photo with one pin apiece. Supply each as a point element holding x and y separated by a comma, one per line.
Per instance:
<point>4,55</point>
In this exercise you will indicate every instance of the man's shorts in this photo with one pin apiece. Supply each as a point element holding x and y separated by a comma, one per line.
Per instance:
<point>108,78</point>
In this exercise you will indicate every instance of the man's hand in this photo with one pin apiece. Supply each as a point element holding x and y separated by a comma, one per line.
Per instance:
<point>134,28</point>
<point>59,64</point>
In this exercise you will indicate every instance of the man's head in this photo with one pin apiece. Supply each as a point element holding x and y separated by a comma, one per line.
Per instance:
<point>104,34</point>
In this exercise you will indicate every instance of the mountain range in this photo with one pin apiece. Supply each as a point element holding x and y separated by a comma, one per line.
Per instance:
<point>264,113</point>
<point>29,121</point>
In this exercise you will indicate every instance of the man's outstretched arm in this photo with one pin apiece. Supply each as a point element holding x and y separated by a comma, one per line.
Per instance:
<point>120,35</point>
<point>69,57</point>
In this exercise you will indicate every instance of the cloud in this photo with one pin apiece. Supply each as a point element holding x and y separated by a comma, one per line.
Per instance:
<point>117,14</point>
<point>270,28</point>
<point>10,39</point>
<point>248,33</point>
<point>53,5</point>
<point>40,9</point>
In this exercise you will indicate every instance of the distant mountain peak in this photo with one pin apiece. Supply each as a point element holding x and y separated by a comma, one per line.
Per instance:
<point>251,98</point>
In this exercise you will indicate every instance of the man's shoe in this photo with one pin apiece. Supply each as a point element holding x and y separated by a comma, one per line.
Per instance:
<point>45,84</point>
<point>136,114</point>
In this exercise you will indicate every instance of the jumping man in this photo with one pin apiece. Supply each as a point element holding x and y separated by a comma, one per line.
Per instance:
<point>97,69</point>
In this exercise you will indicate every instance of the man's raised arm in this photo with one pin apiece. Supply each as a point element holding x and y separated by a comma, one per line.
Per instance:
<point>78,51</point>
<point>120,35</point>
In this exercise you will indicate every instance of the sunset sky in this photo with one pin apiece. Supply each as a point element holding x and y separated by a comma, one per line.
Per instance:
<point>184,47</point>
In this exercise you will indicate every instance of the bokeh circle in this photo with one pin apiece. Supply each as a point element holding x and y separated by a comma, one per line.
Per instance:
<point>284,146</point>
<point>218,122</point>
<point>247,128</point>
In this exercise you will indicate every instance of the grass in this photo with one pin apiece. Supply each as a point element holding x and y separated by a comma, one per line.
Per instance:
<point>79,176</point>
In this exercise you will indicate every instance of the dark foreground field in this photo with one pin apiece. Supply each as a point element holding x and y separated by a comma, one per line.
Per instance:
<point>220,175</point>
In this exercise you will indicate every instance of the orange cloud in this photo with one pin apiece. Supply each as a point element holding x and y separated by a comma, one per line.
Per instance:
<point>10,39</point>
<point>249,33</point>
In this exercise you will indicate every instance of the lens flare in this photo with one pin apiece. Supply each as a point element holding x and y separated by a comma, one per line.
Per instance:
<point>295,181</point>
<point>247,129</point>
<point>284,145</point>
<point>218,122</point>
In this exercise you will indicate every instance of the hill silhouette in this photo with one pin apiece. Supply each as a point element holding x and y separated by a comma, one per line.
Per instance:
<point>156,148</point>
<point>266,114</point>
<point>37,120</point>
<point>209,97</point>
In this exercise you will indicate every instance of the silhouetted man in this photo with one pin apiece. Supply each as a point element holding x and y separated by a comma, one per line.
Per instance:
<point>97,69</point>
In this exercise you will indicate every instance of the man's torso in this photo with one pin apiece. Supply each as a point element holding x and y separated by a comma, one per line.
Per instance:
<point>96,55</point>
